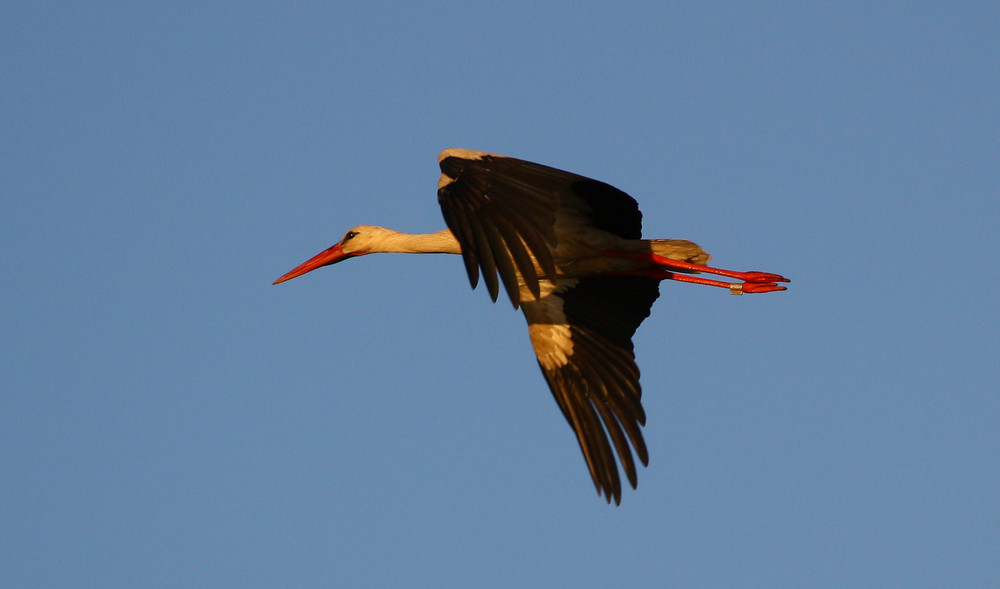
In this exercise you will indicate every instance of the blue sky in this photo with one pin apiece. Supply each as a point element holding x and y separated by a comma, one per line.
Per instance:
<point>168,418</point>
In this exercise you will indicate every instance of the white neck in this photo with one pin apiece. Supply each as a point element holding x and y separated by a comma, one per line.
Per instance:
<point>442,242</point>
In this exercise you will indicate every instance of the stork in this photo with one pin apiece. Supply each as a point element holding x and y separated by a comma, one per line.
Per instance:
<point>568,251</point>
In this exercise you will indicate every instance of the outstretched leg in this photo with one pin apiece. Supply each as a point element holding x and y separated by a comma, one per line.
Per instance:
<point>753,282</point>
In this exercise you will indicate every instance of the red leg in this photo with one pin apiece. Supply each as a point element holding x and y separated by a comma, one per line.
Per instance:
<point>754,282</point>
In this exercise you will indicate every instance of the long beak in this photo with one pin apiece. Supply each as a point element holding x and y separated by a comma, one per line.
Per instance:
<point>326,257</point>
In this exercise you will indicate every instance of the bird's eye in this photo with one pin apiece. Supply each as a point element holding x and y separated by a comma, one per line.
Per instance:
<point>350,235</point>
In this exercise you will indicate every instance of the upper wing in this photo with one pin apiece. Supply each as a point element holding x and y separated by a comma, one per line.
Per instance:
<point>582,331</point>
<point>503,211</point>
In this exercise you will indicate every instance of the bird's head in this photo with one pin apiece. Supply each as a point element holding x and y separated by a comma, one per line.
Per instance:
<point>357,242</point>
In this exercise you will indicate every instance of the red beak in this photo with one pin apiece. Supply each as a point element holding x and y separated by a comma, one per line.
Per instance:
<point>324,258</point>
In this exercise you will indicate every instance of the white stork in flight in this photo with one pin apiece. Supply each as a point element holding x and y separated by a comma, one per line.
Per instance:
<point>569,253</point>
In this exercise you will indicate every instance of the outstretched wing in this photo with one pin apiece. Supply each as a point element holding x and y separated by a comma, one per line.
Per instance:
<point>582,334</point>
<point>503,211</point>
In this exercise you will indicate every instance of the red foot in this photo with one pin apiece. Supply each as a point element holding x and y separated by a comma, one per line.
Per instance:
<point>759,282</point>
<point>755,287</point>
<point>761,277</point>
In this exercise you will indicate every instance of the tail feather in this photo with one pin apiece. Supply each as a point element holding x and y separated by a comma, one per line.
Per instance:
<point>680,249</point>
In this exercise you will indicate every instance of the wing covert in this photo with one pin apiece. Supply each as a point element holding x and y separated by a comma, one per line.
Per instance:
<point>503,211</point>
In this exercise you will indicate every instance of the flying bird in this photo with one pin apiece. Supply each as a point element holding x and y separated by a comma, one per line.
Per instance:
<point>568,252</point>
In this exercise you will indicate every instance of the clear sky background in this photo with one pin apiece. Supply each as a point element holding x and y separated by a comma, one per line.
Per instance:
<point>170,419</point>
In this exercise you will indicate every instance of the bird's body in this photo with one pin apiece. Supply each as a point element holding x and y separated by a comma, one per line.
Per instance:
<point>568,251</point>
